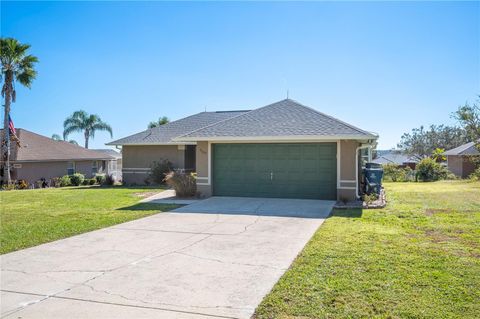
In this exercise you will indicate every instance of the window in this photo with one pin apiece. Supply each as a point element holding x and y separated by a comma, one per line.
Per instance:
<point>71,168</point>
<point>94,167</point>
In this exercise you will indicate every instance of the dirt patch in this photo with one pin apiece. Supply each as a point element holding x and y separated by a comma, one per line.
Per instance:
<point>439,237</point>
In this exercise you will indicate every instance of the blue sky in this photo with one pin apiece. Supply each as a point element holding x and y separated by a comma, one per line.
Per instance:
<point>384,67</point>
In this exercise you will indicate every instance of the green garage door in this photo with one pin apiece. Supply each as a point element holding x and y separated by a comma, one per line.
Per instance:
<point>302,170</point>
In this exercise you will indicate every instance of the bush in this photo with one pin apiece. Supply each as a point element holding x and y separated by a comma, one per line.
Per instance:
<point>85,182</point>
<point>428,170</point>
<point>109,180</point>
<point>22,184</point>
<point>77,179</point>
<point>369,199</point>
<point>395,173</point>
<point>11,187</point>
<point>184,184</point>
<point>55,182</point>
<point>159,171</point>
<point>475,176</point>
<point>92,181</point>
<point>65,181</point>
<point>100,178</point>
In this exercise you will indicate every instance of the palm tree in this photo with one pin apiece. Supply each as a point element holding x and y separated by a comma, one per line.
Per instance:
<point>81,121</point>
<point>161,121</point>
<point>57,137</point>
<point>17,66</point>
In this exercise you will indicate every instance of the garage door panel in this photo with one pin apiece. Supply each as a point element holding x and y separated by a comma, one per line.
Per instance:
<point>275,170</point>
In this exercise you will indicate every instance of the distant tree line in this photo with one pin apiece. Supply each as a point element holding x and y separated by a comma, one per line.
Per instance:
<point>423,142</point>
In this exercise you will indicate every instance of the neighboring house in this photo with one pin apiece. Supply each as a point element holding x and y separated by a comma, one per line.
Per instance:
<point>284,149</point>
<point>397,158</point>
<point>459,159</point>
<point>114,166</point>
<point>42,157</point>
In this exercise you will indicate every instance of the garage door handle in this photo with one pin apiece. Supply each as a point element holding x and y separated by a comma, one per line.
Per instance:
<point>271,176</point>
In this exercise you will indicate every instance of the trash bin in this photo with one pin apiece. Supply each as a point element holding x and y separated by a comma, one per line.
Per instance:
<point>373,175</point>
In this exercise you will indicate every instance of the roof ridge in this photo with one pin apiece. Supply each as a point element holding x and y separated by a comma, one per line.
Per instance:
<point>198,129</point>
<point>333,118</point>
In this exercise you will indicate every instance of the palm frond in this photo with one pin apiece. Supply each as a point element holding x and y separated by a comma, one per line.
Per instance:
<point>102,126</point>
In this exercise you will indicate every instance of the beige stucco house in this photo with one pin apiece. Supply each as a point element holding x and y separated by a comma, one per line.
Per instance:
<point>284,149</point>
<point>37,157</point>
<point>459,160</point>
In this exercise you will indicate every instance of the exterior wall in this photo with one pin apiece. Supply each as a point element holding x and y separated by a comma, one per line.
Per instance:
<point>455,165</point>
<point>468,167</point>
<point>34,171</point>
<point>203,180</point>
<point>347,179</point>
<point>137,160</point>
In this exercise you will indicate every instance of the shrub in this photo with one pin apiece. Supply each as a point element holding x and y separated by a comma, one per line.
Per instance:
<point>475,176</point>
<point>396,173</point>
<point>77,179</point>
<point>55,182</point>
<point>428,170</point>
<point>92,181</point>
<point>22,184</point>
<point>65,181</point>
<point>109,180</point>
<point>184,184</point>
<point>11,187</point>
<point>85,182</point>
<point>159,171</point>
<point>100,178</point>
<point>369,199</point>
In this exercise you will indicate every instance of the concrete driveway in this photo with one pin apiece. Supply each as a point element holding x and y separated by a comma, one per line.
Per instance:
<point>213,259</point>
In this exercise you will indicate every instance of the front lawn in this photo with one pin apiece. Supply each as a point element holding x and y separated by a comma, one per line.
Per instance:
<point>33,217</point>
<point>417,258</point>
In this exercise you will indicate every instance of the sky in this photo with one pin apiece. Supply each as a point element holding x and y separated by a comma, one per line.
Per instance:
<point>385,67</point>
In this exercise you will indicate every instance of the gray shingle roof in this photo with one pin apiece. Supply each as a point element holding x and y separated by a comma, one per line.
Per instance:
<point>286,118</point>
<point>165,133</point>
<point>465,149</point>
<point>395,158</point>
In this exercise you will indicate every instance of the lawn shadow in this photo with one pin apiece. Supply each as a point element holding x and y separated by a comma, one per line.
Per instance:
<point>150,206</point>
<point>347,212</point>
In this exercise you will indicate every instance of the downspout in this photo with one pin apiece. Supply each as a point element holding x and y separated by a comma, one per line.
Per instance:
<point>369,146</point>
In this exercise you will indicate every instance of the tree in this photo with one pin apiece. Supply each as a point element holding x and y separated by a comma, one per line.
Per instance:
<point>17,66</point>
<point>161,121</point>
<point>57,137</point>
<point>422,143</point>
<point>469,118</point>
<point>89,124</point>
<point>438,156</point>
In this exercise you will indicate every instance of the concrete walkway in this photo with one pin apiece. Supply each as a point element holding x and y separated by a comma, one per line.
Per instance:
<point>193,263</point>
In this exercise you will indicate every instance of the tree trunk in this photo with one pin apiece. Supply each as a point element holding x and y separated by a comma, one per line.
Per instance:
<point>87,137</point>
<point>6,129</point>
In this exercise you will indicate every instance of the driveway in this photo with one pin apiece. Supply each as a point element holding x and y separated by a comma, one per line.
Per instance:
<point>213,259</point>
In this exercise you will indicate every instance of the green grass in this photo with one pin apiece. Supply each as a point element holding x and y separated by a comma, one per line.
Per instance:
<point>417,258</point>
<point>33,217</point>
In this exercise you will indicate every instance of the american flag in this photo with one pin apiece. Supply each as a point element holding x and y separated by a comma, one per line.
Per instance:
<point>11,126</point>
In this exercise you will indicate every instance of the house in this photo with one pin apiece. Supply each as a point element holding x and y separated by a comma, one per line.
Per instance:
<point>284,149</point>
<point>459,159</point>
<point>114,166</point>
<point>397,158</point>
<point>40,157</point>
